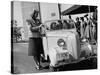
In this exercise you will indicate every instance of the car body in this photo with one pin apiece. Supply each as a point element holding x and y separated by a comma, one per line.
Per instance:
<point>61,43</point>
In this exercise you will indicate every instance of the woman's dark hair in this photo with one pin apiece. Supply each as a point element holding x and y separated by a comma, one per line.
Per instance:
<point>82,18</point>
<point>65,21</point>
<point>77,18</point>
<point>34,13</point>
<point>69,16</point>
<point>86,16</point>
<point>53,25</point>
<point>59,21</point>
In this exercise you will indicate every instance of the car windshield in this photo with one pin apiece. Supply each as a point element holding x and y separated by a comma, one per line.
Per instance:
<point>59,24</point>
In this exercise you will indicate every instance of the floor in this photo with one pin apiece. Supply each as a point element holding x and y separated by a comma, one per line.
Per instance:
<point>25,64</point>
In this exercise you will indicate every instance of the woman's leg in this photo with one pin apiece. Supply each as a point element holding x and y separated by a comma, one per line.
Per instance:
<point>37,55</point>
<point>37,64</point>
<point>33,51</point>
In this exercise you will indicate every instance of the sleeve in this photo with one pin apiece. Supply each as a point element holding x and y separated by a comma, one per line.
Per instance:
<point>34,29</point>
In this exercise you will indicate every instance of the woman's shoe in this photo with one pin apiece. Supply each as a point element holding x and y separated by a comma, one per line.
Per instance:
<point>39,67</point>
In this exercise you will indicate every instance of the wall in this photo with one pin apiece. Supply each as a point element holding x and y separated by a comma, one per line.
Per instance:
<point>49,11</point>
<point>17,15</point>
<point>21,12</point>
<point>27,9</point>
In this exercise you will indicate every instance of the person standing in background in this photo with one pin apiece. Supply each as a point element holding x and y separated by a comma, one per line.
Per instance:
<point>91,26</point>
<point>82,28</point>
<point>95,22</point>
<point>78,23</point>
<point>71,21</point>
<point>35,40</point>
<point>87,27</point>
<point>59,25</point>
<point>65,24</point>
<point>92,30</point>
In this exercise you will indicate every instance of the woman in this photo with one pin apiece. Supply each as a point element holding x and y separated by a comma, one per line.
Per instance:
<point>92,31</point>
<point>35,41</point>
<point>65,24</point>
<point>71,22</point>
<point>87,28</point>
<point>82,28</point>
<point>59,25</point>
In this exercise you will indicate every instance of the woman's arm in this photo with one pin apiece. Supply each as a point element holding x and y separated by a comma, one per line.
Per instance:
<point>37,27</point>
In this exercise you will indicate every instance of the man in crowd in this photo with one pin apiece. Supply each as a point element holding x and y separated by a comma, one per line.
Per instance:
<point>87,35</point>
<point>78,23</point>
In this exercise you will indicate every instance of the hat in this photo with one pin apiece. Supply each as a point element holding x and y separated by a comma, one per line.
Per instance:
<point>34,12</point>
<point>86,15</point>
<point>81,18</point>
<point>77,18</point>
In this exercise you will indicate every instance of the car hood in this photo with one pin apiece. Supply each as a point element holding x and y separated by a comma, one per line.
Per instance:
<point>62,33</point>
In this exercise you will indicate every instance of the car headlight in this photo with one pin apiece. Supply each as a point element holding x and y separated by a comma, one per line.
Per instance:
<point>61,43</point>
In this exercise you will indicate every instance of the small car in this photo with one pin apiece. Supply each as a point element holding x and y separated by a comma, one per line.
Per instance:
<point>61,42</point>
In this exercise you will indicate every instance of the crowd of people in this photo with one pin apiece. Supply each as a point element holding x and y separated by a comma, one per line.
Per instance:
<point>61,24</point>
<point>87,28</point>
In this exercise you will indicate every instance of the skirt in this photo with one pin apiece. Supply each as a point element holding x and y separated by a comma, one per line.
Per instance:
<point>35,46</point>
